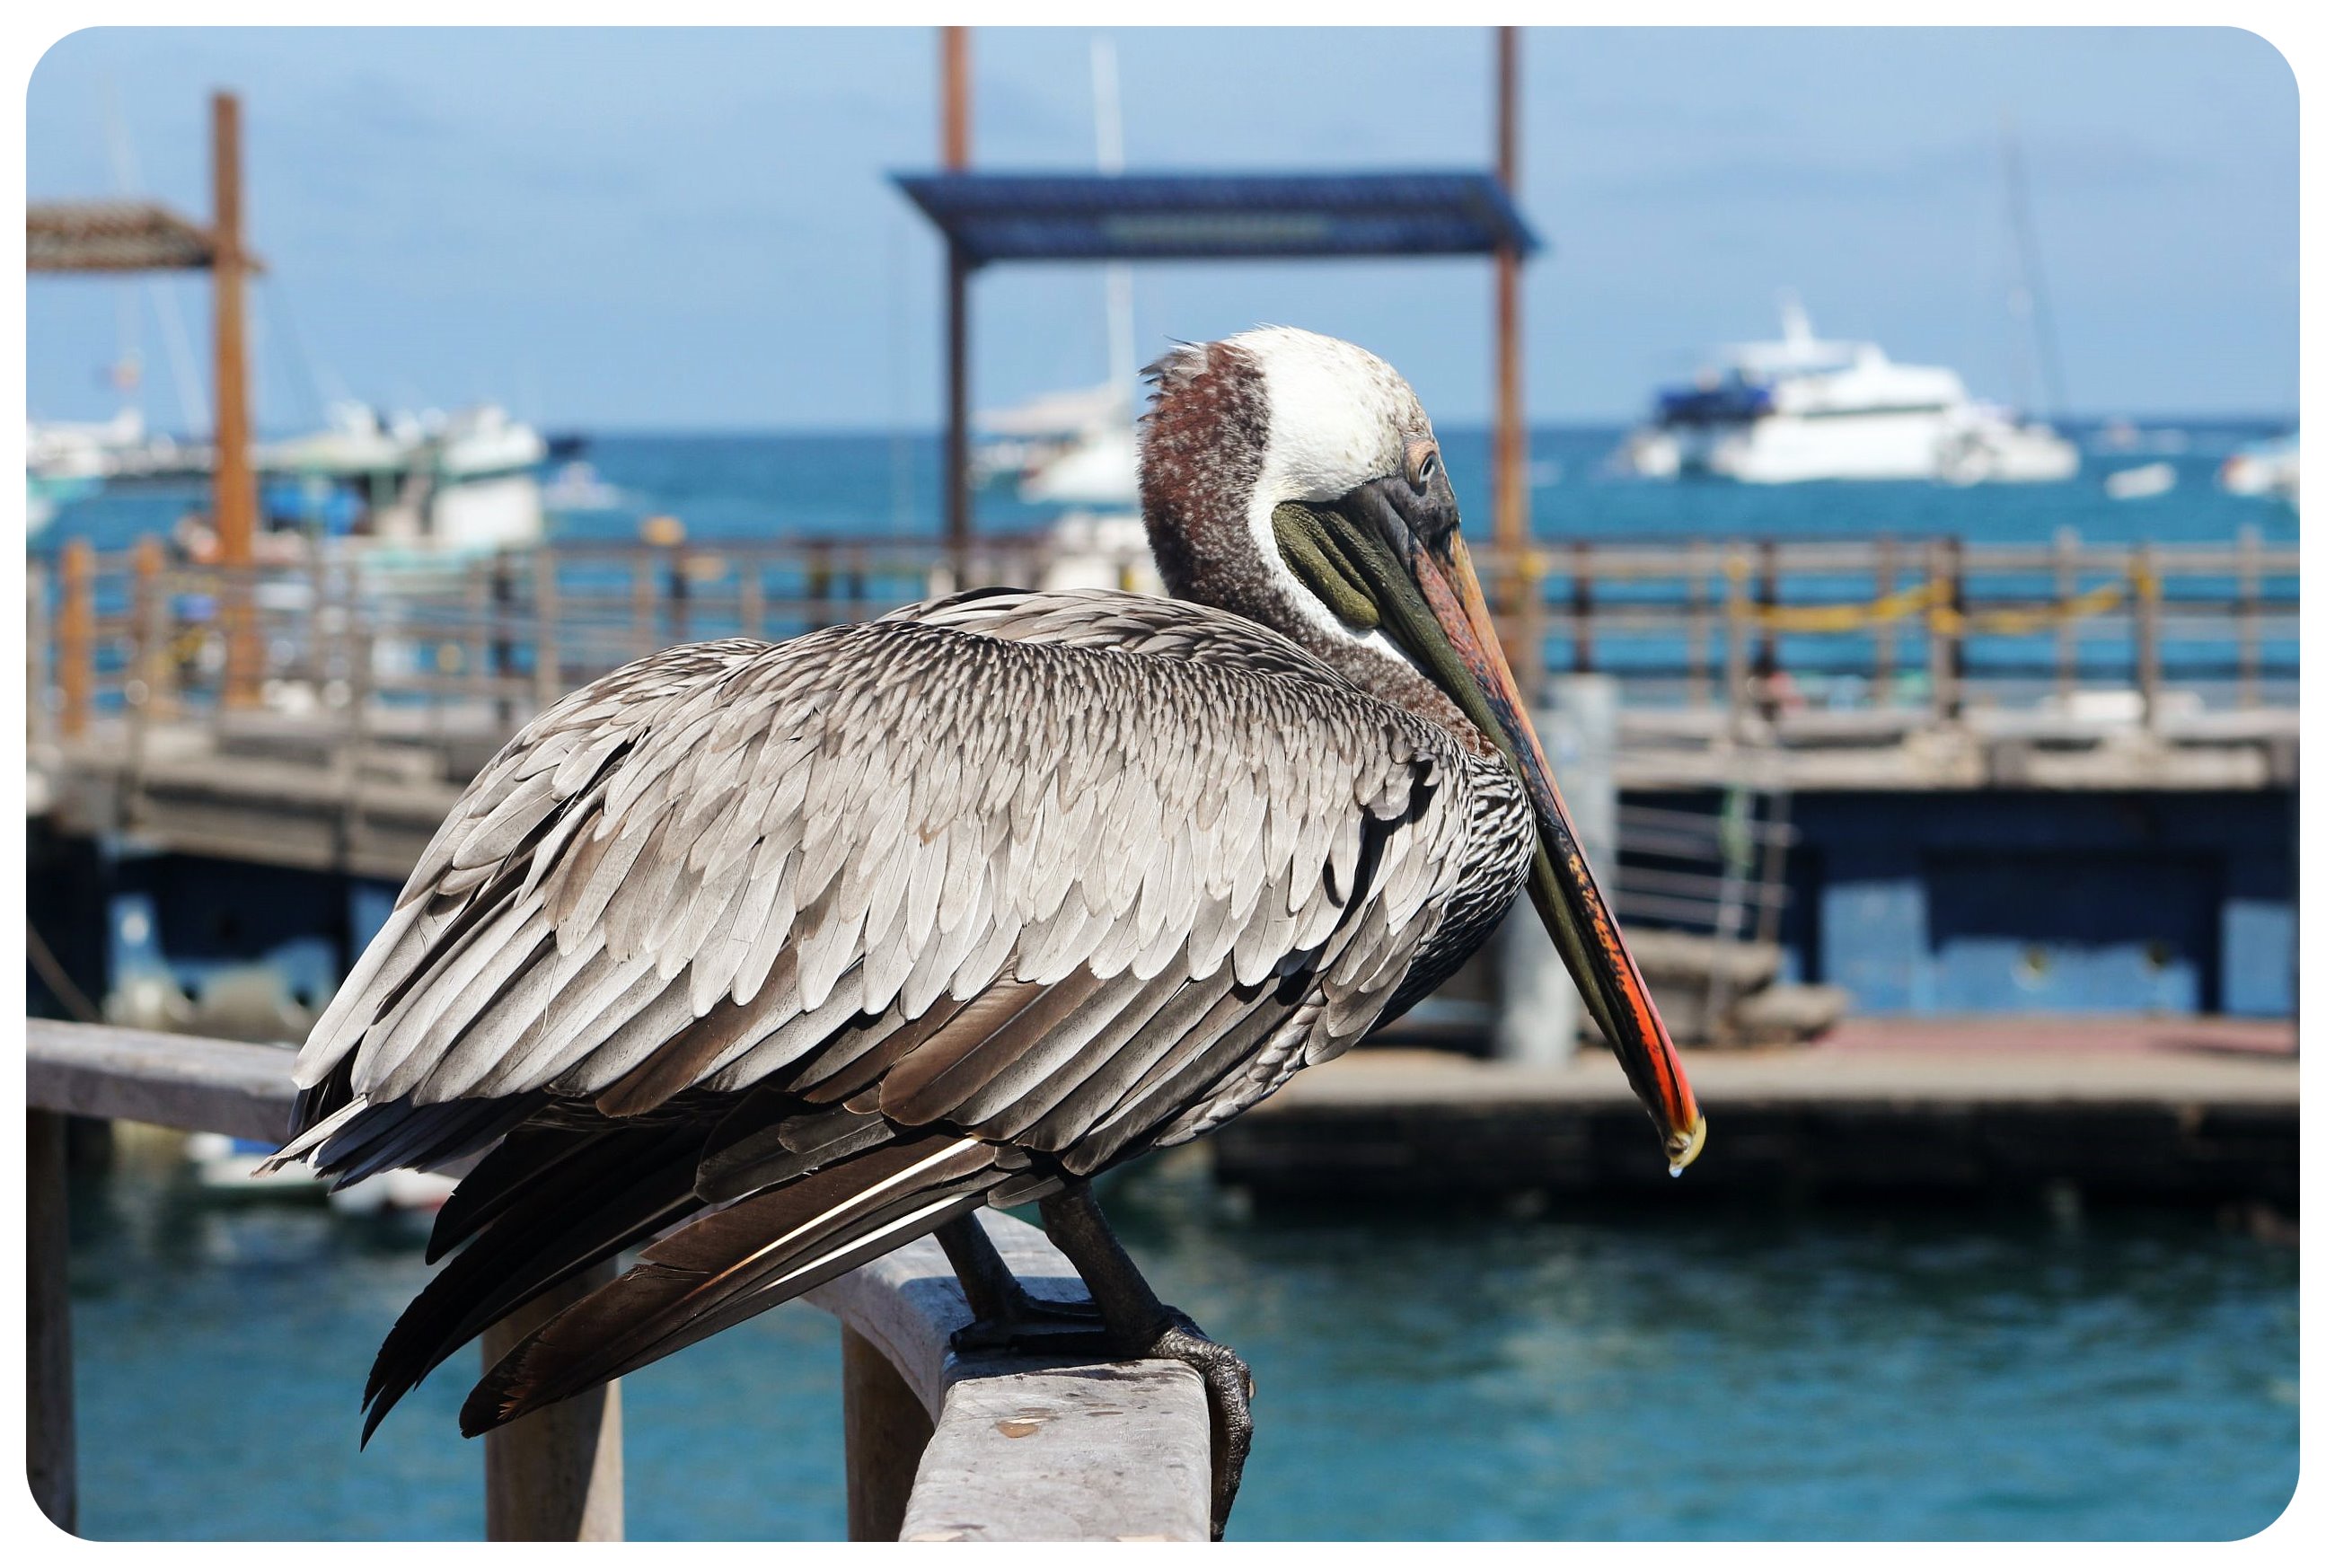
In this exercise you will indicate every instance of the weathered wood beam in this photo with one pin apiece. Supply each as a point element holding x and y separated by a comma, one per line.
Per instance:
<point>169,1079</point>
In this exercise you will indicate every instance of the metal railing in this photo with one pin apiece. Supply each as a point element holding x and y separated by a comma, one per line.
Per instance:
<point>1929,626</point>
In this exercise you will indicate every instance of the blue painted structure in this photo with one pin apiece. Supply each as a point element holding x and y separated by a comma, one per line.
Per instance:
<point>2026,901</point>
<point>1989,901</point>
<point>1218,217</point>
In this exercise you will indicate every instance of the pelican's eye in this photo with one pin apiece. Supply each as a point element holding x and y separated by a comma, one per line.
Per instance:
<point>1421,463</point>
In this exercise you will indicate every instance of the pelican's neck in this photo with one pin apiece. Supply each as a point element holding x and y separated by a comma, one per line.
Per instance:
<point>1200,476</point>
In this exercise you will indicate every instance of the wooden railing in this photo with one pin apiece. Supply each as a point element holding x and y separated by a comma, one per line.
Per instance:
<point>1928,625</point>
<point>939,1447</point>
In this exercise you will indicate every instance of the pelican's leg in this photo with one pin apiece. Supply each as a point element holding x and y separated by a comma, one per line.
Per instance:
<point>1008,1315</point>
<point>1141,1327</point>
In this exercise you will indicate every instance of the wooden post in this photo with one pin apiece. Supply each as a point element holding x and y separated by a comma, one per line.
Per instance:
<point>548,662</point>
<point>1578,583</point>
<point>503,657</point>
<point>958,523</point>
<point>751,599</point>
<point>1940,618</point>
<point>476,613</point>
<point>1699,628</point>
<point>819,584</point>
<point>887,1433</point>
<point>2248,616</point>
<point>2148,594</point>
<point>1510,491</point>
<point>148,660</point>
<point>76,636</point>
<point>1764,657</point>
<point>2064,578</point>
<point>49,1460</point>
<point>234,490</point>
<point>556,1475</point>
<point>40,654</point>
<point>1732,644</point>
<point>642,605</point>
<point>674,568</point>
<point>1885,634</point>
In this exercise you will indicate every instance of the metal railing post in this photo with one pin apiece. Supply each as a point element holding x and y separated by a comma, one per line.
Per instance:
<point>2248,616</point>
<point>76,636</point>
<point>2148,594</point>
<point>2064,577</point>
<point>548,670</point>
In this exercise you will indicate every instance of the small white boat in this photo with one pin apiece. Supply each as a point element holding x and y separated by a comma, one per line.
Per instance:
<point>2272,467</point>
<point>2138,484</point>
<point>1802,408</point>
<point>576,488</point>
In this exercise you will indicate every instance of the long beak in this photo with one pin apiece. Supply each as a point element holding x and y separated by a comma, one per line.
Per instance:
<point>1450,634</point>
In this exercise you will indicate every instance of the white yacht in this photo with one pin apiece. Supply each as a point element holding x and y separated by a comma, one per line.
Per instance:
<point>1805,408</point>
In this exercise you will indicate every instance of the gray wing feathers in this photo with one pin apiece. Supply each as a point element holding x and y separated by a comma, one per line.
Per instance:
<point>731,861</point>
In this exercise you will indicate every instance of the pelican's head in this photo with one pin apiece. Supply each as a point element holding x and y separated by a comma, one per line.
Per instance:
<point>1295,480</point>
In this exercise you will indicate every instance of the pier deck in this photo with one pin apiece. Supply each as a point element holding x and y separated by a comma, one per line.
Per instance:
<point>2162,1109</point>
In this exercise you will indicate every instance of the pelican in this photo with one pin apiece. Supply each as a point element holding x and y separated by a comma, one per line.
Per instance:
<point>776,957</point>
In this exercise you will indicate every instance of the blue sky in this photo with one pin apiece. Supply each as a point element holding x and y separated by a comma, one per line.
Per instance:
<point>692,230</point>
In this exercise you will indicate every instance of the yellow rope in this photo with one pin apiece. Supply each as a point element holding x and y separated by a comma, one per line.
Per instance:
<point>1929,600</point>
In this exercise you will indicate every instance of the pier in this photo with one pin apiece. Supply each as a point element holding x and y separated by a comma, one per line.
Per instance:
<point>1896,722</point>
<point>2011,1110</point>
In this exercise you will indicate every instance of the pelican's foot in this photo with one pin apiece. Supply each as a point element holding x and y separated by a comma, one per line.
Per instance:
<point>1032,1325</point>
<point>1228,1390</point>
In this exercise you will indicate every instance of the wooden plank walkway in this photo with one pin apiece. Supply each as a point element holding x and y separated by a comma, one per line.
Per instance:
<point>2158,1110</point>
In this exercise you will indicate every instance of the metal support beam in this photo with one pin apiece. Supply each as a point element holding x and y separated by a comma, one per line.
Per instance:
<point>1510,496</point>
<point>234,491</point>
<point>958,523</point>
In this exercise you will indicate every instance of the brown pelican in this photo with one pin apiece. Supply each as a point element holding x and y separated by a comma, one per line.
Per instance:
<point>779,957</point>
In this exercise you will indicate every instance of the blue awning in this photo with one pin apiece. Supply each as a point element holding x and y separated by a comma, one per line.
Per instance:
<point>1218,217</point>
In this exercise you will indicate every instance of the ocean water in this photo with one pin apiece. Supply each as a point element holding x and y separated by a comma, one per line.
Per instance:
<point>1772,1374</point>
<point>773,485</point>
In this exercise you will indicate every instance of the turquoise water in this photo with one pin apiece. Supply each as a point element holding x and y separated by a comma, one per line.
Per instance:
<point>1717,1374</point>
<point>758,485</point>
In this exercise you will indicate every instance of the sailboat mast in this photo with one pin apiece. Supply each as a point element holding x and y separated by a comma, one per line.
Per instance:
<point>2029,267</point>
<point>1106,93</point>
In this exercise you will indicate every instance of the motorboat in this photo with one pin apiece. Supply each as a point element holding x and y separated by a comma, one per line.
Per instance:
<point>2271,467</point>
<point>1801,407</point>
<point>459,482</point>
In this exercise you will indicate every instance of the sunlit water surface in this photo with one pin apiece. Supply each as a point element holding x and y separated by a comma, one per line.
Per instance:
<point>1451,1376</point>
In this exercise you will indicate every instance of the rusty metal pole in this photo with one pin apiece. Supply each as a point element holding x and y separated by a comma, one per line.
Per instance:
<point>1511,520</point>
<point>234,492</point>
<point>958,523</point>
<point>76,637</point>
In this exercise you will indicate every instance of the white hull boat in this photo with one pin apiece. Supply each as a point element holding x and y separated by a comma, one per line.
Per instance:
<point>1801,408</point>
